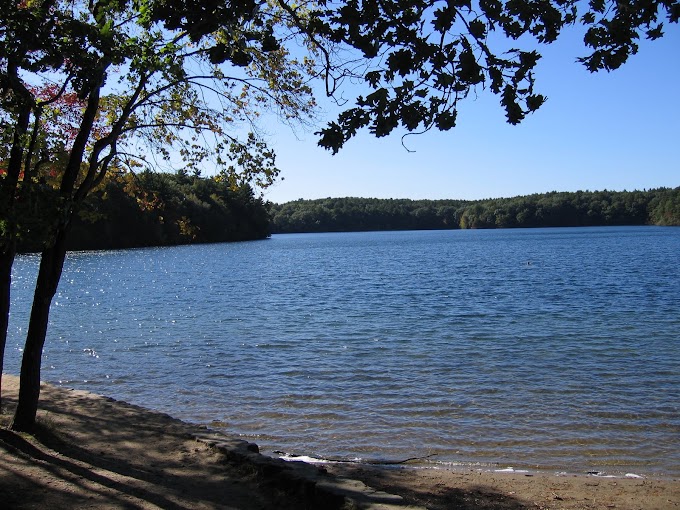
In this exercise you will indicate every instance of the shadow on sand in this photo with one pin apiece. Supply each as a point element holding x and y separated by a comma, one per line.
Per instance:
<point>93,452</point>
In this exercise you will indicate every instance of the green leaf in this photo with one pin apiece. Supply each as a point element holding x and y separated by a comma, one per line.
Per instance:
<point>373,78</point>
<point>477,29</point>
<point>331,138</point>
<point>597,5</point>
<point>469,70</point>
<point>655,33</point>
<point>443,19</point>
<point>534,102</point>
<point>401,61</point>
<point>379,97</point>
<point>588,18</point>
<point>445,120</point>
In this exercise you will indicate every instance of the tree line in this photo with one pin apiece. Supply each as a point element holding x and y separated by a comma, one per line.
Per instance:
<point>90,87</point>
<point>158,209</point>
<point>161,209</point>
<point>555,209</point>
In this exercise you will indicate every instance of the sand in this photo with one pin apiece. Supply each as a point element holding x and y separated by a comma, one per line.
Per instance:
<point>97,453</point>
<point>472,489</point>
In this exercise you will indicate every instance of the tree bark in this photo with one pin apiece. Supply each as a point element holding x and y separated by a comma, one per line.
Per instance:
<point>9,245</point>
<point>51,265</point>
<point>6,262</point>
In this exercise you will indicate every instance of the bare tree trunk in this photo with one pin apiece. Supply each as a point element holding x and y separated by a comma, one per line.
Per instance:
<point>6,262</point>
<point>51,265</point>
<point>9,245</point>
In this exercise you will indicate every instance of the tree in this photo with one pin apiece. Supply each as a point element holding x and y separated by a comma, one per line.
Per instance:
<point>153,81</point>
<point>22,35</point>
<point>420,58</point>
<point>579,209</point>
<point>156,208</point>
<point>131,84</point>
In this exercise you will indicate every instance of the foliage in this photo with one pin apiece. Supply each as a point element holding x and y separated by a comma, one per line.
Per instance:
<point>420,58</point>
<point>582,208</point>
<point>156,209</point>
<point>87,87</point>
<point>134,85</point>
<point>147,83</point>
<point>664,207</point>
<point>176,80</point>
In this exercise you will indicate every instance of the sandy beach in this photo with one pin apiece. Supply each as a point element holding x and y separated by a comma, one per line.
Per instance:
<point>97,453</point>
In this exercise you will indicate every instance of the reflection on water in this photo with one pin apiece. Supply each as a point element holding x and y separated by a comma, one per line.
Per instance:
<point>552,348</point>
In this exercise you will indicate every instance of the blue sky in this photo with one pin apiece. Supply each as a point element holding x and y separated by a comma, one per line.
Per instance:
<point>614,131</point>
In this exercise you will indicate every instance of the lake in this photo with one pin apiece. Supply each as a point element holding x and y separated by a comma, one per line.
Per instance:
<point>554,349</point>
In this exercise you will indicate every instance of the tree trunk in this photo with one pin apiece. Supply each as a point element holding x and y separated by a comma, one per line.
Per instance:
<point>51,265</point>
<point>9,246</point>
<point>6,262</point>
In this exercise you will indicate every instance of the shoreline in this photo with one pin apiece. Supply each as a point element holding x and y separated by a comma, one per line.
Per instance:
<point>461,467</point>
<point>95,452</point>
<point>271,446</point>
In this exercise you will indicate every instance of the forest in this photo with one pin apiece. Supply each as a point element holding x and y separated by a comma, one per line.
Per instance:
<point>156,209</point>
<point>555,209</point>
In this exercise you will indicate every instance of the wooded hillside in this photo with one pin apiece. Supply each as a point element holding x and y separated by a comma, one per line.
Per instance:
<point>156,209</point>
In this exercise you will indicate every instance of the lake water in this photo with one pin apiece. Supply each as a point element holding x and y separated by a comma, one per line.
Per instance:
<point>553,349</point>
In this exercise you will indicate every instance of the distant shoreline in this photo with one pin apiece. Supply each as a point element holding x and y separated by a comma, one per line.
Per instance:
<point>555,209</point>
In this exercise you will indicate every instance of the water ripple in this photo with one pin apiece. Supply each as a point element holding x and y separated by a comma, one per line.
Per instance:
<point>389,345</point>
